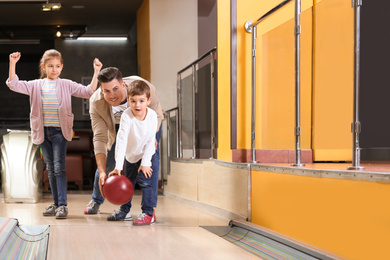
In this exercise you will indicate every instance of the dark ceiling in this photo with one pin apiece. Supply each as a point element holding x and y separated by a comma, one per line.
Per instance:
<point>24,19</point>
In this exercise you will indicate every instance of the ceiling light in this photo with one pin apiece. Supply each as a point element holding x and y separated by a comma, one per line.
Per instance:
<point>102,38</point>
<point>51,7</point>
<point>58,34</point>
<point>24,1</point>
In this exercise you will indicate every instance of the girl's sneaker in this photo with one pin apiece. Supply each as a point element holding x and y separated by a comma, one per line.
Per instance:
<point>50,211</point>
<point>62,212</point>
<point>144,219</point>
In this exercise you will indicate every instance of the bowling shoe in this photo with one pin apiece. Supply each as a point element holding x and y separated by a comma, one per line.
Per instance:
<point>92,208</point>
<point>62,212</point>
<point>144,219</point>
<point>117,215</point>
<point>50,211</point>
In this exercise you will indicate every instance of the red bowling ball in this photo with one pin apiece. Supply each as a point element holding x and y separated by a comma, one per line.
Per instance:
<point>118,189</point>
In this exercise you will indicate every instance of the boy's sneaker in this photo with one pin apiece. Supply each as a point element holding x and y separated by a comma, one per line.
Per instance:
<point>92,208</point>
<point>144,219</point>
<point>50,211</point>
<point>62,212</point>
<point>117,215</point>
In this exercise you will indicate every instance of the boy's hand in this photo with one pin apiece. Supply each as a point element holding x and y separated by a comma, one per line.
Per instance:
<point>146,170</point>
<point>97,65</point>
<point>115,172</point>
<point>14,57</point>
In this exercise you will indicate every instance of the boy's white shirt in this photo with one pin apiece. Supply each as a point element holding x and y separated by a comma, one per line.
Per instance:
<point>136,139</point>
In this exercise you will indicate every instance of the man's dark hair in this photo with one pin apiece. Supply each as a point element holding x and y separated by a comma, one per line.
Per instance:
<point>109,74</point>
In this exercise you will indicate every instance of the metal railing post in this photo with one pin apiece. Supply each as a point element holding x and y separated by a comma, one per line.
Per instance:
<point>177,134</point>
<point>253,121</point>
<point>297,131</point>
<point>168,118</point>
<point>213,153</point>
<point>355,126</point>
<point>251,27</point>
<point>179,119</point>
<point>194,90</point>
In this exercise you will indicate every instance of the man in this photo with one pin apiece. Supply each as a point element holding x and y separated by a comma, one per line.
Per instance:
<point>106,107</point>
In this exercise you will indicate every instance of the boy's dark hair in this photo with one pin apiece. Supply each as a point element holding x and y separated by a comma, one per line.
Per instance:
<point>109,74</point>
<point>138,88</point>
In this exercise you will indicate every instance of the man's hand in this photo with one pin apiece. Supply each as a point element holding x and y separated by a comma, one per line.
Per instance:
<point>102,179</point>
<point>146,170</point>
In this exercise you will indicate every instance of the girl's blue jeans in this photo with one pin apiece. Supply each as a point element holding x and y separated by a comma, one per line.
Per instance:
<point>54,154</point>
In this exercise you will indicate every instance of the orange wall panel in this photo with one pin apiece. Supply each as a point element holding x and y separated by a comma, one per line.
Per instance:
<point>346,217</point>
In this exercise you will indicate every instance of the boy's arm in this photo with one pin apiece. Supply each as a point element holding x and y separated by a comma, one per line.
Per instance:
<point>150,147</point>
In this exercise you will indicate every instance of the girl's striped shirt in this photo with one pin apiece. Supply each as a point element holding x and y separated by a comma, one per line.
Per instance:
<point>50,104</point>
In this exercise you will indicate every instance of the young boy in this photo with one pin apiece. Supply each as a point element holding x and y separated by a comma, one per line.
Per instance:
<point>136,142</point>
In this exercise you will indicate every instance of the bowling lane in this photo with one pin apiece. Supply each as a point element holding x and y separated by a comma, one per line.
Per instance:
<point>177,233</point>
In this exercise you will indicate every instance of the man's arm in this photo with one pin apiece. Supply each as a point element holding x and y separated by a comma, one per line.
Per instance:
<point>100,136</point>
<point>101,160</point>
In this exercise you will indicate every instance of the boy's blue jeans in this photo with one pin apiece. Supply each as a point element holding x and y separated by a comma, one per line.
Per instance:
<point>110,164</point>
<point>146,184</point>
<point>54,154</point>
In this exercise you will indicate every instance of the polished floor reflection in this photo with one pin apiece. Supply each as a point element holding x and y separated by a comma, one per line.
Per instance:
<point>177,234</point>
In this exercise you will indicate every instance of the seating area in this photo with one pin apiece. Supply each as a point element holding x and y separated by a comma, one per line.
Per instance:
<point>80,162</point>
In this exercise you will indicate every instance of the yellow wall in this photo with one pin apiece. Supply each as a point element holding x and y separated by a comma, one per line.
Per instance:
<point>143,40</point>
<point>278,85</point>
<point>349,218</point>
<point>223,47</point>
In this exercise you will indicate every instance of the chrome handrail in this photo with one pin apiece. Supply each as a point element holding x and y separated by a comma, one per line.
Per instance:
<point>254,24</point>
<point>198,60</point>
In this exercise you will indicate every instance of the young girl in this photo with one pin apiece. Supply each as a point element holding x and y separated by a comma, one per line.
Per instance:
<point>51,118</point>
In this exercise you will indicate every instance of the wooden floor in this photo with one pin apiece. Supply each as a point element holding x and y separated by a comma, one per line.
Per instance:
<point>177,234</point>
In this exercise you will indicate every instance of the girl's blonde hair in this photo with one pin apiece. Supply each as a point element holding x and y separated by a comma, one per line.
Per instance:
<point>49,54</point>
